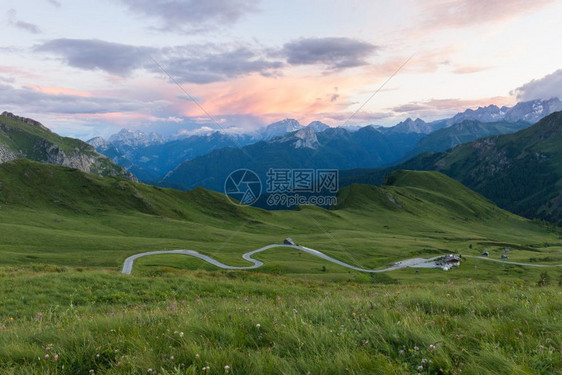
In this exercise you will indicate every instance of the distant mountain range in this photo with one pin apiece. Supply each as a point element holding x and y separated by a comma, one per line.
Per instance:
<point>531,112</point>
<point>151,157</point>
<point>462,132</point>
<point>24,138</point>
<point>521,172</point>
<point>411,126</point>
<point>333,148</point>
<point>338,148</point>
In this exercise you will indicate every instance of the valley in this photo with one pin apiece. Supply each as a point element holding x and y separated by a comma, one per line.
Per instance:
<point>520,172</point>
<point>280,187</point>
<point>68,236</point>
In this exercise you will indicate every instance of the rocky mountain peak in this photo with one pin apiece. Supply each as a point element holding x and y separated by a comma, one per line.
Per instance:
<point>533,111</point>
<point>317,126</point>
<point>411,126</point>
<point>25,120</point>
<point>304,138</point>
<point>50,148</point>
<point>530,111</point>
<point>97,142</point>
<point>280,128</point>
<point>134,138</point>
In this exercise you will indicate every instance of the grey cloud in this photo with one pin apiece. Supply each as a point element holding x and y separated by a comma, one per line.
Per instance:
<point>183,63</point>
<point>549,86</point>
<point>335,96</point>
<point>93,54</point>
<point>186,65</point>
<point>410,107</point>
<point>334,53</point>
<point>29,27</point>
<point>340,118</point>
<point>36,101</point>
<point>207,63</point>
<point>7,79</point>
<point>55,3</point>
<point>191,14</point>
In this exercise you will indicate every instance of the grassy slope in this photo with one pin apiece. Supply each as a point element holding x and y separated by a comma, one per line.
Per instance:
<point>62,246</point>
<point>82,220</point>
<point>31,141</point>
<point>520,172</point>
<point>23,136</point>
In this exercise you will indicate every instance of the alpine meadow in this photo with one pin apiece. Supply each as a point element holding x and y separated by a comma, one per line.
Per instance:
<point>281,187</point>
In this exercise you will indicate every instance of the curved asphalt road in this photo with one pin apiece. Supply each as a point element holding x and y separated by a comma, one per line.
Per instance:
<point>415,262</point>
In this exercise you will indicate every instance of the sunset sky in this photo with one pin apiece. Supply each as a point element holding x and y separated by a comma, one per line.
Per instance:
<point>86,68</point>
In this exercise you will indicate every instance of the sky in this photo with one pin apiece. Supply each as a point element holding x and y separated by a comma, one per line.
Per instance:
<point>86,68</point>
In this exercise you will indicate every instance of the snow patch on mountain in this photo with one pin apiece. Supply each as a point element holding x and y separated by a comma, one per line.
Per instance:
<point>135,138</point>
<point>280,128</point>
<point>304,138</point>
<point>531,112</point>
<point>409,126</point>
<point>98,143</point>
<point>317,126</point>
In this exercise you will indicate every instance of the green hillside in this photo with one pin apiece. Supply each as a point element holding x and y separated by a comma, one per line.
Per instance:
<point>28,139</point>
<point>521,172</point>
<point>60,216</point>
<point>70,191</point>
<point>466,131</point>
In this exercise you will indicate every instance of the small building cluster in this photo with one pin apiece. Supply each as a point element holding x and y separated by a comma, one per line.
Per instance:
<point>449,261</point>
<point>506,251</point>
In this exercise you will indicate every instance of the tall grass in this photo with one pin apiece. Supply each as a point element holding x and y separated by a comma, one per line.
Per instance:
<point>256,324</point>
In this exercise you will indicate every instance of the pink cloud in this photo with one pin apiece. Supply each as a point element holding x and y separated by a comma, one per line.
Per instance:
<point>264,96</point>
<point>123,118</point>
<point>469,69</point>
<point>13,71</point>
<point>462,13</point>
<point>438,108</point>
<point>53,90</point>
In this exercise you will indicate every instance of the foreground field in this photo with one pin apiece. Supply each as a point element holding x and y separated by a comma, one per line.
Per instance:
<point>69,321</point>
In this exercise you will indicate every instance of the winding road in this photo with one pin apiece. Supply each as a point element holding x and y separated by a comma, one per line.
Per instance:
<point>414,262</point>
